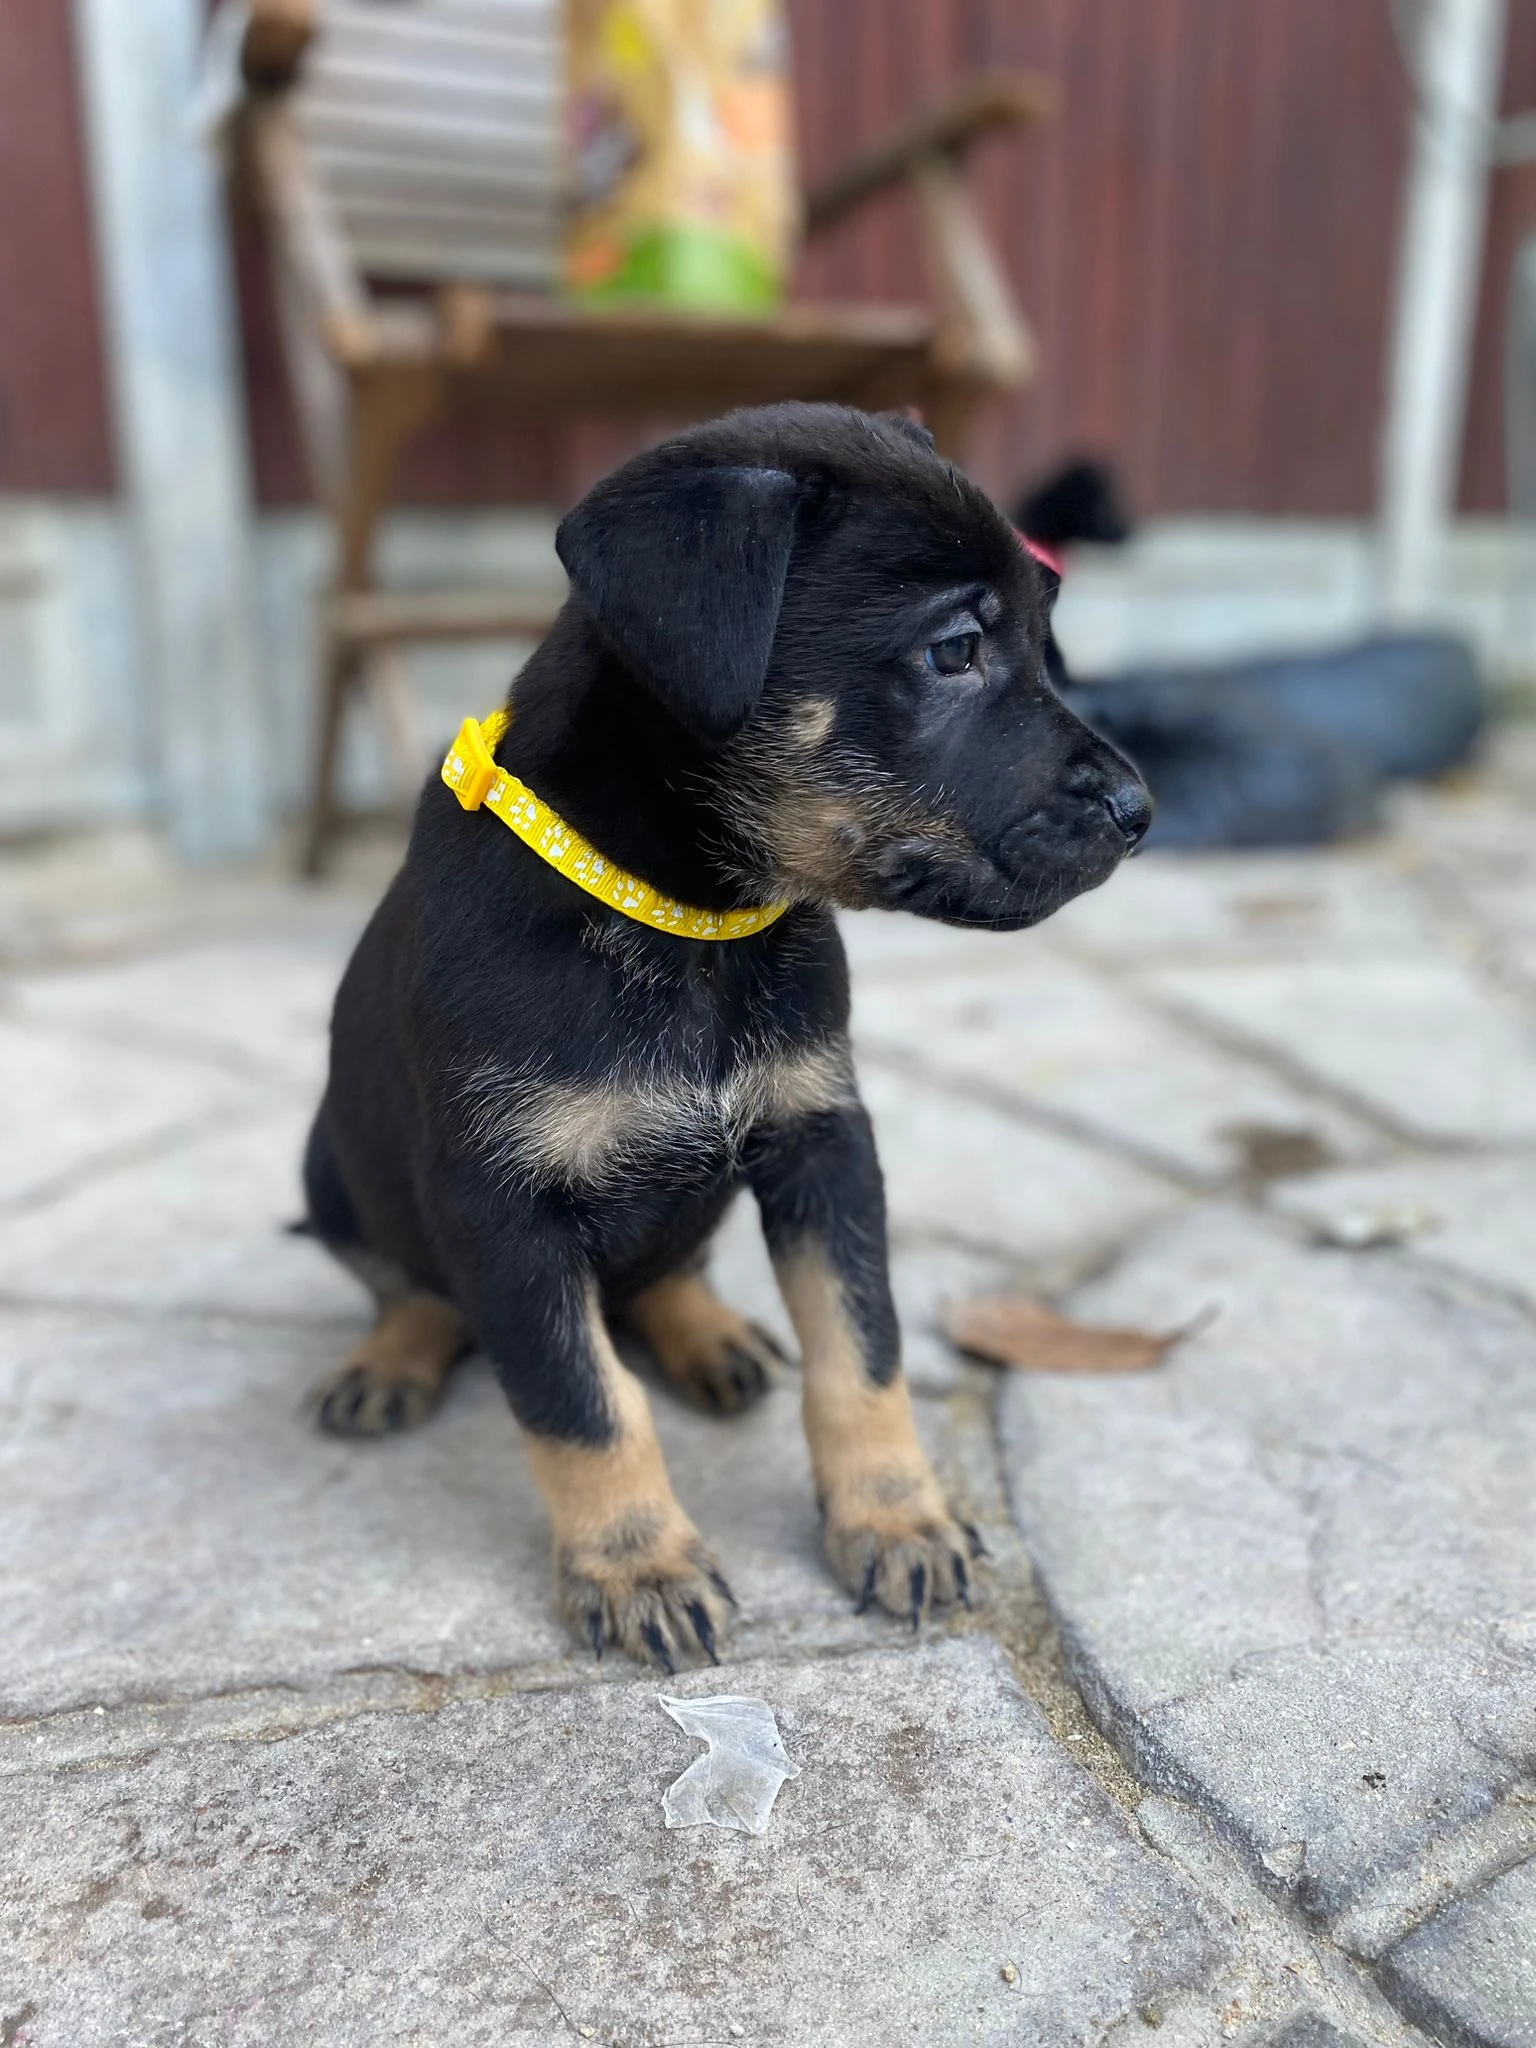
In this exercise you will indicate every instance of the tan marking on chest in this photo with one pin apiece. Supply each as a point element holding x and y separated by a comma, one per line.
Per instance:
<point>593,1135</point>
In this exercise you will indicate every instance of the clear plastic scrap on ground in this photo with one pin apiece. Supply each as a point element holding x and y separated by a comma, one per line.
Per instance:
<point>736,1782</point>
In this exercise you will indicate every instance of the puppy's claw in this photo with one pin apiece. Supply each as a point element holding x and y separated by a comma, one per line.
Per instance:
<point>704,1629</point>
<point>664,1604</point>
<point>358,1402</point>
<point>718,1582</point>
<point>770,1343</point>
<point>973,1537</point>
<point>656,1643</point>
<point>909,1571</point>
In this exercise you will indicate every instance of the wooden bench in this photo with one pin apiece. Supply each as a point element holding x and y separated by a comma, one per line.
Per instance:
<point>415,143</point>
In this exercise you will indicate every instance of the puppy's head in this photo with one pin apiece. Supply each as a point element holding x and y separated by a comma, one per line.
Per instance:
<point>853,634</point>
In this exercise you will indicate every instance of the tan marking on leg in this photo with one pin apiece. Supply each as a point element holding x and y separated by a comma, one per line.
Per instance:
<point>394,1379</point>
<point>889,1533</point>
<point>709,1353</point>
<point>630,1567</point>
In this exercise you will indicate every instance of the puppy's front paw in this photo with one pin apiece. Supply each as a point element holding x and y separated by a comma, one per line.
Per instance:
<point>647,1585</point>
<point>897,1546</point>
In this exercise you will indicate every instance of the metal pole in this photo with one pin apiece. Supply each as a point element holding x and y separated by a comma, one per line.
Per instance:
<point>1458,59</point>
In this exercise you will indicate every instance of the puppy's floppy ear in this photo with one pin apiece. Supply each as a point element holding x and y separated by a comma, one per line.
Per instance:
<point>909,421</point>
<point>682,568</point>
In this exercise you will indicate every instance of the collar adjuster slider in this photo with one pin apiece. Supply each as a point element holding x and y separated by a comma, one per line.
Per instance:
<point>470,769</point>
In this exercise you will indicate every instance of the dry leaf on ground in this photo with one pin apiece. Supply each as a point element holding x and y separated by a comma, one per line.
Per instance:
<point>1010,1329</point>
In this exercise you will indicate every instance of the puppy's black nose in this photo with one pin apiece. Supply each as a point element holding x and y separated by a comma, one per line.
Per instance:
<point>1131,809</point>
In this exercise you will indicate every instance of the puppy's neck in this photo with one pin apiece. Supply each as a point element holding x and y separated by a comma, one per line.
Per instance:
<point>592,742</point>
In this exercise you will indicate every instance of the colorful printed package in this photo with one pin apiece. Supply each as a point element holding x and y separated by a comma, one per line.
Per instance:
<point>681,183</point>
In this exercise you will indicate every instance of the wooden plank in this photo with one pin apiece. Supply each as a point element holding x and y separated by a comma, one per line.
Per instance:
<point>499,72</point>
<point>530,266</point>
<point>499,60</point>
<point>374,618</point>
<point>494,90</point>
<point>852,325</point>
<point>552,362</point>
<point>507,221</point>
<point>445,19</point>
<point>308,239</point>
<point>366,175</point>
<point>952,125</point>
<point>392,130</point>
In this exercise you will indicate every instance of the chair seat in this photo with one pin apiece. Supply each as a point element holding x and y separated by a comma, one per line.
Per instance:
<point>376,618</point>
<point>551,359</point>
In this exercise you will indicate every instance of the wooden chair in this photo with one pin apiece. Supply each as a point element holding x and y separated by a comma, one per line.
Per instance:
<point>416,143</point>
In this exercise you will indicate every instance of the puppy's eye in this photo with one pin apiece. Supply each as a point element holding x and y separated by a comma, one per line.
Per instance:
<point>954,655</point>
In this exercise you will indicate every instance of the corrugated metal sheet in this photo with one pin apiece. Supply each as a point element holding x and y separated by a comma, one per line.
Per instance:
<point>54,435</point>
<point>1203,238</point>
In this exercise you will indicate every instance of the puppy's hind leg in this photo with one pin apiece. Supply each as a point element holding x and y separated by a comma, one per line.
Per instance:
<point>714,1357</point>
<point>394,1379</point>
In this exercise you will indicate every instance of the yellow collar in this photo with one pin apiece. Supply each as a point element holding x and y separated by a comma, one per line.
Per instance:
<point>470,771</point>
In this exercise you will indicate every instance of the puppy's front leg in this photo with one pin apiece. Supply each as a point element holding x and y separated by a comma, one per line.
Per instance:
<point>889,1534</point>
<point>630,1567</point>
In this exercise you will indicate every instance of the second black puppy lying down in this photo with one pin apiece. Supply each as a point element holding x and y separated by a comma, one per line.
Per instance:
<point>800,667</point>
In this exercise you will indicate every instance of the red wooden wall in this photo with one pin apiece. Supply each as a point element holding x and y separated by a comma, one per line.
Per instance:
<point>1203,240</point>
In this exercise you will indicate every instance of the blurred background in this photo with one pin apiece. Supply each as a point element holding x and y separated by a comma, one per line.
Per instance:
<point>1265,262</point>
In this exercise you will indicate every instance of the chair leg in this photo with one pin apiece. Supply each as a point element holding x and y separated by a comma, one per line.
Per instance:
<point>339,671</point>
<point>388,680</point>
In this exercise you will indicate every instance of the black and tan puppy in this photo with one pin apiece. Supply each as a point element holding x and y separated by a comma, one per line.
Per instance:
<point>801,663</point>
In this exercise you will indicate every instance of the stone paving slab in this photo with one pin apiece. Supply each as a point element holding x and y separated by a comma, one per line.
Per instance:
<point>1054,1038</point>
<point>1308,2030</point>
<point>171,1521</point>
<point>499,1873</point>
<point>1476,1216</point>
<point>201,1228</point>
<point>1352,902</point>
<point>956,1170</point>
<point>1419,1041</point>
<point>261,1004</point>
<point>1469,1975</point>
<point>1296,1568</point>
<point>65,1107</point>
<point>300,1771</point>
